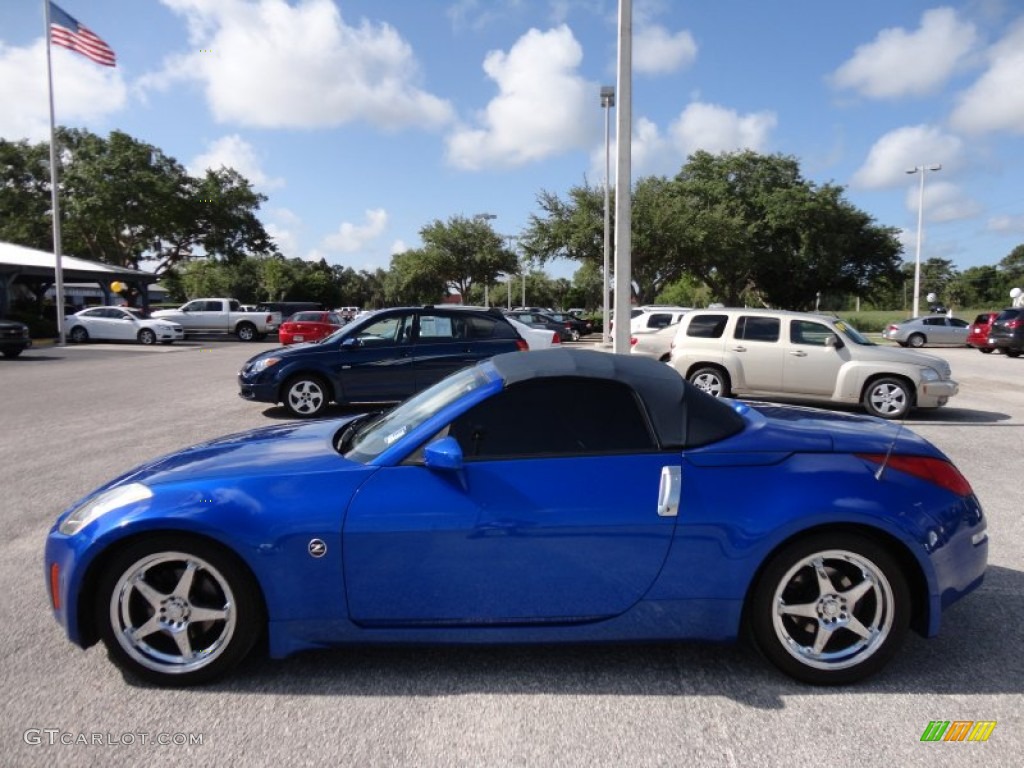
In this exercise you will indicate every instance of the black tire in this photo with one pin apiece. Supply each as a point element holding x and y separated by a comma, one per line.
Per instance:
<point>306,396</point>
<point>830,609</point>
<point>79,335</point>
<point>146,336</point>
<point>985,350</point>
<point>712,380</point>
<point>246,332</point>
<point>12,352</point>
<point>917,340</point>
<point>1013,352</point>
<point>888,398</point>
<point>149,596</point>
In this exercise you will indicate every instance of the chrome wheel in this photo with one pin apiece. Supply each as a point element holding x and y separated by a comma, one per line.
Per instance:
<point>916,340</point>
<point>146,336</point>
<point>79,335</point>
<point>246,332</point>
<point>888,398</point>
<point>831,609</point>
<point>306,397</point>
<point>710,380</point>
<point>177,611</point>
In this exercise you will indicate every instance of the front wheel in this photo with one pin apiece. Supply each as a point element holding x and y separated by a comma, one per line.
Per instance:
<point>246,332</point>
<point>12,351</point>
<point>985,350</point>
<point>79,335</point>
<point>146,336</point>
<point>711,380</point>
<point>830,609</point>
<point>306,396</point>
<point>176,611</point>
<point>888,398</point>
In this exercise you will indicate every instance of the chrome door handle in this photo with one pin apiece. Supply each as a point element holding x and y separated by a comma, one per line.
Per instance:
<point>739,349</point>
<point>668,491</point>
<point>798,353</point>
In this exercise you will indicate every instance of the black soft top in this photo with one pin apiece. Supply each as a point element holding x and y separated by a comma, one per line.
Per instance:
<point>682,415</point>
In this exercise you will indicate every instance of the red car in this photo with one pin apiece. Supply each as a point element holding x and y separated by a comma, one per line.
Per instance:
<point>977,334</point>
<point>309,326</point>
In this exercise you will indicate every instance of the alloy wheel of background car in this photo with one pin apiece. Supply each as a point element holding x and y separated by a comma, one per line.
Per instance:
<point>916,340</point>
<point>146,336</point>
<point>79,335</point>
<point>306,396</point>
<point>177,612</point>
<point>710,380</point>
<point>887,398</point>
<point>246,332</point>
<point>830,609</point>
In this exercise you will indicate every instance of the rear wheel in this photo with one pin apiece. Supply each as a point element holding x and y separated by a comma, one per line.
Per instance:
<point>916,340</point>
<point>830,609</point>
<point>888,398</point>
<point>985,350</point>
<point>1013,352</point>
<point>306,396</point>
<point>246,332</point>
<point>712,380</point>
<point>177,611</point>
<point>146,336</point>
<point>12,351</point>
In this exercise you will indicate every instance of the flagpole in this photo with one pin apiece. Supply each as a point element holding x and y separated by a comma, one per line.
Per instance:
<point>54,196</point>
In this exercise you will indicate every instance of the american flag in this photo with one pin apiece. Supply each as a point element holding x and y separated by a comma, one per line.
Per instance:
<point>69,33</point>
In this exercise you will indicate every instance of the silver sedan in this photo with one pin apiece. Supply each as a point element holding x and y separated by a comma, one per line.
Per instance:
<point>934,329</point>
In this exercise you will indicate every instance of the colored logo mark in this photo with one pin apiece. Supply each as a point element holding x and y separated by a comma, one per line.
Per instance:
<point>958,730</point>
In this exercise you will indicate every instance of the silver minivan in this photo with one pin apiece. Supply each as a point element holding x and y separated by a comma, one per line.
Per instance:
<point>803,356</point>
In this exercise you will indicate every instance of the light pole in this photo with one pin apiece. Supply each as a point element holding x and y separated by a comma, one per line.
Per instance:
<point>485,217</point>
<point>922,169</point>
<point>607,102</point>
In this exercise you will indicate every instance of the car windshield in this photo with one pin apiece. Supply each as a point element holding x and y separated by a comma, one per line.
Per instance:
<point>852,334</point>
<point>377,435</point>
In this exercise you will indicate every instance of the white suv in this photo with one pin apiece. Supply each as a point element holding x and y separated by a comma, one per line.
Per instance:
<point>795,355</point>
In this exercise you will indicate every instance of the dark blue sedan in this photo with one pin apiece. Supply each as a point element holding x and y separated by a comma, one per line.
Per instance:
<point>552,496</point>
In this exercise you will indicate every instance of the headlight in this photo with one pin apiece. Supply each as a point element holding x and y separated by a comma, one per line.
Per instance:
<point>930,374</point>
<point>103,503</point>
<point>264,363</point>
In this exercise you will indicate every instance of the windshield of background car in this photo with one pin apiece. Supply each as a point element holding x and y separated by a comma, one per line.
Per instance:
<point>379,435</point>
<point>852,333</point>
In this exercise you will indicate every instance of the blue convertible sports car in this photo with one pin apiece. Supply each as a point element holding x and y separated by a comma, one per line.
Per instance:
<point>559,495</point>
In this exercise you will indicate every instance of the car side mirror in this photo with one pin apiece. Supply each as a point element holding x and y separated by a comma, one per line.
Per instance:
<point>351,342</point>
<point>834,342</point>
<point>445,454</point>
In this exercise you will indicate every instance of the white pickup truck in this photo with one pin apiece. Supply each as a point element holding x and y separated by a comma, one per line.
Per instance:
<point>222,316</point>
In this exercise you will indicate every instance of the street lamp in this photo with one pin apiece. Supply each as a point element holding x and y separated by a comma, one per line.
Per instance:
<point>922,169</point>
<point>607,102</point>
<point>485,217</point>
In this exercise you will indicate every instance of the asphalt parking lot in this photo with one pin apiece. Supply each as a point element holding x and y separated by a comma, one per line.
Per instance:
<point>74,417</point>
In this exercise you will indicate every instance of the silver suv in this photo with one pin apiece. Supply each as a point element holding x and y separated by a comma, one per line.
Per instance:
<point>796,355</point>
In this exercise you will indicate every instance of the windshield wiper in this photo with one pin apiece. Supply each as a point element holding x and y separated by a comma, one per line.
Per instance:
<point>348,434</point>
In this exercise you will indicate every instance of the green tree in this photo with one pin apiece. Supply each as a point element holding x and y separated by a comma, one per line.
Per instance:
<point>25,194</point>
<point>465,251</point>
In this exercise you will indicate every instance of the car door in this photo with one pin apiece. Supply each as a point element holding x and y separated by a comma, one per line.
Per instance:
<point>554,516</point>
<point>812,359</point>
<point>757,352</point>
<point>122,325</point>
<point>374,362</point>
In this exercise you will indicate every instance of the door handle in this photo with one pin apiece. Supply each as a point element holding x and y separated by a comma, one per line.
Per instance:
<point>668,491</point>
<point>798,353</point>
<point>739,349</point>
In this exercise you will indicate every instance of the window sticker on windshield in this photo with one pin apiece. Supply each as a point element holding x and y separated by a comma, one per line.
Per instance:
<point>841,326</point>
<point>395,435</point>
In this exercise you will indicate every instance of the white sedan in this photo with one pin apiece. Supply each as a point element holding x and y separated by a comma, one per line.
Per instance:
<point>535,338</point>
<point>120,324</point>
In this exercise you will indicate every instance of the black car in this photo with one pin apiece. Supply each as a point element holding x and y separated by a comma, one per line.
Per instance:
<point>1007,332</point>
<point>384,357</point>
<point>545,322</point>
<point>14,338</point>
<point>578,327</point>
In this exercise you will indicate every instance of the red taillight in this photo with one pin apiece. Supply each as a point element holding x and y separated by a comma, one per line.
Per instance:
<point>270,319</point>
<point>937,471</point>
<point>555,338</point>
<point>1013,323</point>
<point>522,346</point>
<point>893,328</point>
<point>632,341</point>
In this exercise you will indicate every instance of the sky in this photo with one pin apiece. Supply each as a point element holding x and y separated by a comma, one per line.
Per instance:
<point>364,121</point>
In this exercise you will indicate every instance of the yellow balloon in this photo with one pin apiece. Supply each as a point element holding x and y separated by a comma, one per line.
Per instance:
<point>117,287</point>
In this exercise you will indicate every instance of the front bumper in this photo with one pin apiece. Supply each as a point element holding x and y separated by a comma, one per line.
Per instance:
<point>256,391</point>
<point>932,394</point>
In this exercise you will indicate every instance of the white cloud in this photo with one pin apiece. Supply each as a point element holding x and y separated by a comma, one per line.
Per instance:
<point>83,91</point>
<point>1007,224</point>
<point>540,107</point>
<point>943,201</point>
<point>284,227</point>
<point>656,51</point>
<point>996,101</point>
<point>900,63</point>
<point>274,65</point>
<point>354,237</point>
<point>717,129</point>
<point>234,152</point>
<point>898,151</point>
<point>397,247</point>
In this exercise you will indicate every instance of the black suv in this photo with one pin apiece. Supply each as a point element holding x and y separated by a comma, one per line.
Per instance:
<point>384,357</point>
<point>1007,332</point>
<point>14,338</point>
